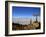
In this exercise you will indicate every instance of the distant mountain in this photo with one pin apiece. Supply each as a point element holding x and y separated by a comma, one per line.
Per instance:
<point>23,20</point>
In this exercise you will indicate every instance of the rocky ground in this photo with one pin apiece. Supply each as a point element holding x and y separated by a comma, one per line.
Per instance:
<point>34,25</point>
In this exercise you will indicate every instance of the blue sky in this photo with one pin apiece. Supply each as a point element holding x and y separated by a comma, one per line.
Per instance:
<point>25,11</point>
